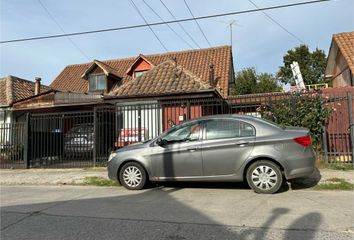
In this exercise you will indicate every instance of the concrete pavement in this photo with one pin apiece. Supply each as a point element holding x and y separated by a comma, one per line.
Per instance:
<point>173,212</point>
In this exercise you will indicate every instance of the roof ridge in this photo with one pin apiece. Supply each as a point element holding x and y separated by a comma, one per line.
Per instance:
<point>11,77</point>
<point>151,55</point>
<point>342,33</point>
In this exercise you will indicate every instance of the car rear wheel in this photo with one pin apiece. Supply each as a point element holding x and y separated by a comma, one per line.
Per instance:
<point>264,177</point>
<point>132,176</point>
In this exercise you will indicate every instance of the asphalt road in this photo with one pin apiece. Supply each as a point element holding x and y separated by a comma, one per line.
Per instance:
<point>174,213</point>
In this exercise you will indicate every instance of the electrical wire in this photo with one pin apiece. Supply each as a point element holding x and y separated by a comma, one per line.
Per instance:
<point>142,16</point>
<point>62,29</point>
<point>277,23</point>
<point>179,24</point>
<point>162,23</point>
<point>168,25</point>
<point>201,30</point>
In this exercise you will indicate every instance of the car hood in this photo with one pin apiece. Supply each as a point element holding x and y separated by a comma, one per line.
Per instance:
<point>134,147</point>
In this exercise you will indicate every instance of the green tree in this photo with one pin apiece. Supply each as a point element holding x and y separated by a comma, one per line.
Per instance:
<point>312,65</point>
<point>267,83</point>
<point>248,81</point>
<point>245,83</point>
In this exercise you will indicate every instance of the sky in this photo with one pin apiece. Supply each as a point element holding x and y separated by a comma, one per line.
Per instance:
<point>257,41</point>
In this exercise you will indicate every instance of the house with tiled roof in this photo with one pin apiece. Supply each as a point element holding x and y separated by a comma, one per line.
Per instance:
<point>203,72</point>
<point>13,89</point>
<point>340,63</point>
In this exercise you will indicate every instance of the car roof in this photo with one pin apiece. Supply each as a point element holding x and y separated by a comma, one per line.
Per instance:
<point>219,116</point>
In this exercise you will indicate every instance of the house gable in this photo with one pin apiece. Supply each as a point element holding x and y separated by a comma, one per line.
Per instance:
<point>141,64</point>
<point>166,78</point>
<point>340,62</point>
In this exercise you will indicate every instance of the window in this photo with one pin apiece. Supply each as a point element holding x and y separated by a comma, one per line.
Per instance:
<point>218,129</point>
<point>139,73</point>
<point>97,82</point>
<point>188,132</point>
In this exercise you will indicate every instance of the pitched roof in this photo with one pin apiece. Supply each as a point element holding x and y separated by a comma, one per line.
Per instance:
<point>195,61</point>
<point>166,77</point>
<point>13,89</point>
<point>345,43</point>
<point>105,68</point>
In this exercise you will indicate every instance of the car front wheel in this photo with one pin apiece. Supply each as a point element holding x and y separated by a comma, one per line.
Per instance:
<point>132,176</point>
<point>264,177</point>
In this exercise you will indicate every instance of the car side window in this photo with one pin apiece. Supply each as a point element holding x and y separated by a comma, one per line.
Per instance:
<point>188,132</point>
<point>227,128</point>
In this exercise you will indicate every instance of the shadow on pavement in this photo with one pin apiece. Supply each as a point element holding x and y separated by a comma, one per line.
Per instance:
<point>308,182</point>
<point>151,214</point>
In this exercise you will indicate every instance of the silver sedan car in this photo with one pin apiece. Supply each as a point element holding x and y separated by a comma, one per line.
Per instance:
<point>228,148</point>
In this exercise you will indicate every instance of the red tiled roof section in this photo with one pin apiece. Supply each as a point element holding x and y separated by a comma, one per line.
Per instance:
<point>345,42</point>
<point>195,61</point>
<point>13,89</point>
<point>167,77</point>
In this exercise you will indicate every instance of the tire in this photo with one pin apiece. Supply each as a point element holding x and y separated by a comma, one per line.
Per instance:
<point>264,177</point>
<point>132,176</point>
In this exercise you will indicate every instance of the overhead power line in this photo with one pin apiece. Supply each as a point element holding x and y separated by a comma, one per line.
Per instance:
<point>195,20</point>
<point>149,25</point>
<point>277,23</point>
<point>162,23</point>
<point>179,24</point>
<point>62,29</point>
<point>168,25</point>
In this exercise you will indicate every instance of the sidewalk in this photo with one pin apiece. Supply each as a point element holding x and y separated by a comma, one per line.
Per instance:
<point>48,176</point>
<point>77,176</point>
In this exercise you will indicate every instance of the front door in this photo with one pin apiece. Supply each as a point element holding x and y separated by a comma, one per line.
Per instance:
<point>180,154</point>
<point>226,144</point>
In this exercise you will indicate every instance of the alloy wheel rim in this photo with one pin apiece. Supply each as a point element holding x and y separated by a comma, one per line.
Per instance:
<point>132,176</point>
<point>264,177</point>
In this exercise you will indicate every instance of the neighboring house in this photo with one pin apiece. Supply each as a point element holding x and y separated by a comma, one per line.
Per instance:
<point>340,63</point>
<point>14,89</point>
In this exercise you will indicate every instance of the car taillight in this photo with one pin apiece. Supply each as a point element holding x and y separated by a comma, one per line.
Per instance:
<point>303,140</point>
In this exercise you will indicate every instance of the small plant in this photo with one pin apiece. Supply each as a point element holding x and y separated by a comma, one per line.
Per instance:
<point>302,110</point>
<point>99,181</point>
<point>335,184</point>
<point>321,164</point>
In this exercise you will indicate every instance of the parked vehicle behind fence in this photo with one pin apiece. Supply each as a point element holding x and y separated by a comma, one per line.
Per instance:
<point>79,139</point>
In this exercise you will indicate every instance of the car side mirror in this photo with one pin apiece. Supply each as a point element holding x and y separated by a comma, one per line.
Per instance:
<point>161,142</point>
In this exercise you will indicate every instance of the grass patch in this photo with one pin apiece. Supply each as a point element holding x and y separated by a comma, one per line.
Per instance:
<point>96,169</point>
<point>99,181</point>
<point>335,184</point>
<point>334,166</point>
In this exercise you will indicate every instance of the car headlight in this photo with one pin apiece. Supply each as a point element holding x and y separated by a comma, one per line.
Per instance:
<point>112,156</point>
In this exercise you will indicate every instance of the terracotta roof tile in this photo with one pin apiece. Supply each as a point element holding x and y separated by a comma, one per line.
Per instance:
<point>166,77</point>
<point>13,89</point>
<point>345,42</point>
<point>195,61</point>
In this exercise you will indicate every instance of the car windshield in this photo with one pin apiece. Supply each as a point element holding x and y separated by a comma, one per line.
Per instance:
<point>188,132</point>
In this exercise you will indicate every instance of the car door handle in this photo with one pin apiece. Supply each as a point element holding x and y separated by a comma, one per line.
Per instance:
<point>242,143</point>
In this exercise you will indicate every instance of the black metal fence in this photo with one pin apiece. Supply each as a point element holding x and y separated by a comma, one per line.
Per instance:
<point>86,138</point>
